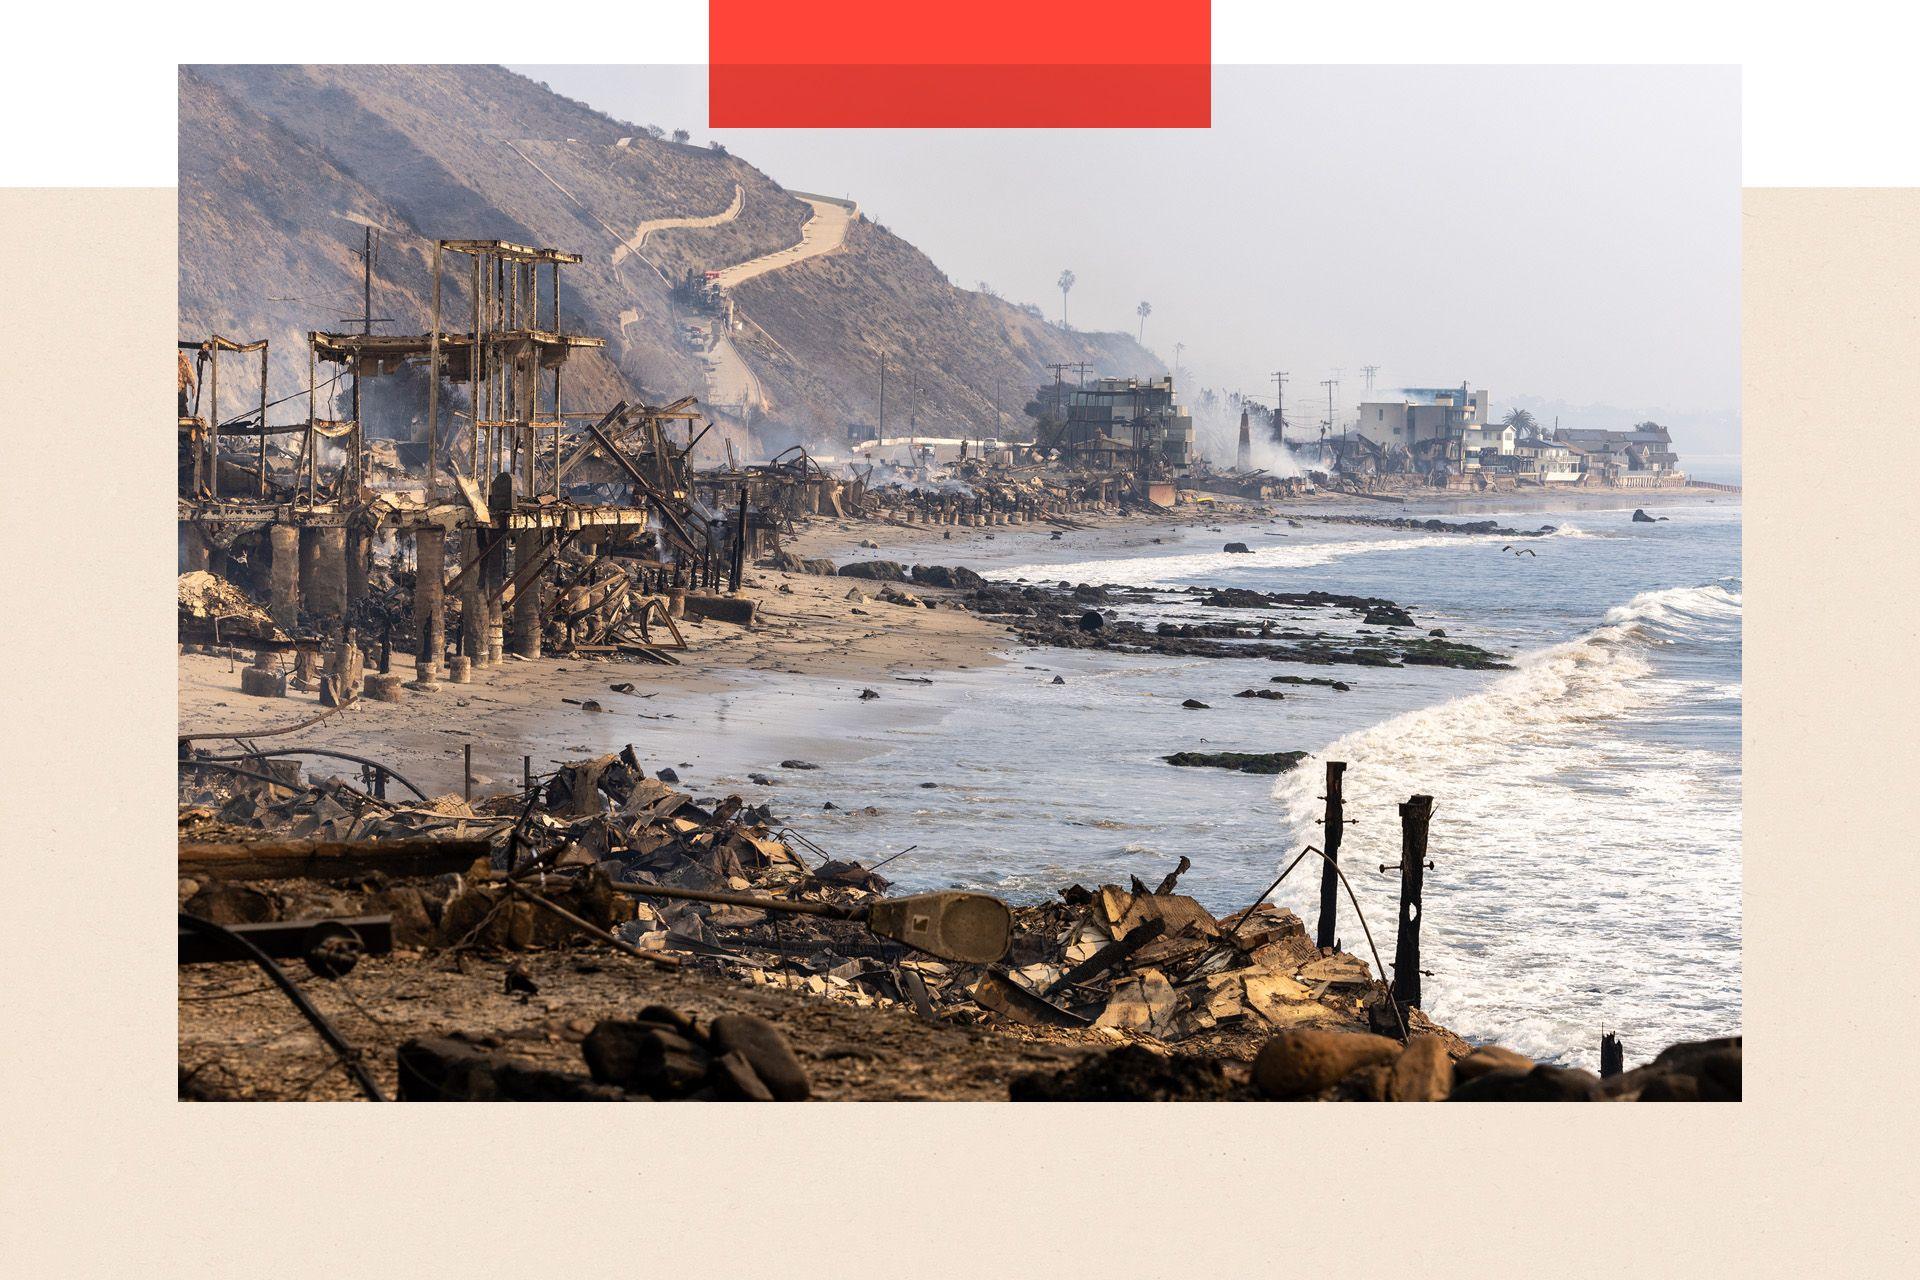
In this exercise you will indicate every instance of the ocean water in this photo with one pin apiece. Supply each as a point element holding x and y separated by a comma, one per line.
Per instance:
<point>1586,803</point>
<point>1586,823</point>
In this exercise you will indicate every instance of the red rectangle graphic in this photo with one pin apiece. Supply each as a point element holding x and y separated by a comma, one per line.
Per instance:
<point>989,64</point>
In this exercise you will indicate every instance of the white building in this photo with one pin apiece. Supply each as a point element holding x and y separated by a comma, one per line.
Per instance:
<point>1548,461</point>
<point>1417,414</point>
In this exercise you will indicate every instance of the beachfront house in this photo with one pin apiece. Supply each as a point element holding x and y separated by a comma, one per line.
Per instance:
<point>1643,455</point>
<point>1414,415</point>
<point>1136,413</point>
<point>1547,461</point>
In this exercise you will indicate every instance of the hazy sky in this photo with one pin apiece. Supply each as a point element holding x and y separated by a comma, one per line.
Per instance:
<point>1564,233</point>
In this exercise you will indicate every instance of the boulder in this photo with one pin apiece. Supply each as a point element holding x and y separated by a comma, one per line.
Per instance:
<point>1691,1071</point>
<point>875,570</point>
<point>939,575</point>
<point>1238,548</point>
<point>1490,1057</point>
<point>1092,620</point>
<point>764,1048</point>
<point>1265,762</point>
<point>1131,1073</point>
<point>1542,1084</point>
<point>1301,1063</point>
<point>648,1057</point>
<point>1388,615</point>
<point>1235,598</point>
<point>442,1069</point>
<point>1422,1073</point>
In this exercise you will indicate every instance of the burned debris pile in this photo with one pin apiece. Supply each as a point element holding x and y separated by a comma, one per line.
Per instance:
<point>714,885</point>
<point>1135,992</point>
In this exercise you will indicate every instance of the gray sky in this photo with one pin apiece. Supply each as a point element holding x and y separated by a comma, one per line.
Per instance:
<point>1569,235</point>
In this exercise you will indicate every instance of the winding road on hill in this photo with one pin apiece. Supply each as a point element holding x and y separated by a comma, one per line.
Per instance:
<point>730,381</point>
<point>633,243</point>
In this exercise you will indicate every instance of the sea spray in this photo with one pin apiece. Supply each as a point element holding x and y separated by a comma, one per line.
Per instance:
<point>1579,863</point>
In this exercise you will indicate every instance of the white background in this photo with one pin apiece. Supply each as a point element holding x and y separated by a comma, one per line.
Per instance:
<point>1829,91</point>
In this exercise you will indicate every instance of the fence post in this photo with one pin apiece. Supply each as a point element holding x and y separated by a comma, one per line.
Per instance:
<point>466,771</point>
<point>1414,816</point>
<point>1613,1055</point>
<point>1329,877</point>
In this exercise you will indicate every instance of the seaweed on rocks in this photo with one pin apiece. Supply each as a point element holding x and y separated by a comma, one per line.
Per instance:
<point>1059,616</point>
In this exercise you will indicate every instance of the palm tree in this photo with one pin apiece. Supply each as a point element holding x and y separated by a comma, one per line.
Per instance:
<point>1066,283</point>
<point>1521,421</point>
<point>1144,310</point>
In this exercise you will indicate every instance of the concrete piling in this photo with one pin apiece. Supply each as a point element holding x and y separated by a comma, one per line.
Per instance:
<point>527,621</point>
<point>283,544</point>
<point>429,601</point>
<point>323,571</point>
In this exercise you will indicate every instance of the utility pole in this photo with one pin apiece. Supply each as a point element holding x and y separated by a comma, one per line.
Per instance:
<point>1367,371</point>
<point>882,433</point>
<point>1330,384</point>
<point>1280,408</point>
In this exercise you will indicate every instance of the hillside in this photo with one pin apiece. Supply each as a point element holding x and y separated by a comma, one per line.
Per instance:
<point>281,167</point>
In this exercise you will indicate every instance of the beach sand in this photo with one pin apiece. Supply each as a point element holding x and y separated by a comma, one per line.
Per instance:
<point>806,627</point>
<point>743,699</point>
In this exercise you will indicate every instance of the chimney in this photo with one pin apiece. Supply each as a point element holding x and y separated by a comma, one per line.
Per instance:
<point>1246,443</point>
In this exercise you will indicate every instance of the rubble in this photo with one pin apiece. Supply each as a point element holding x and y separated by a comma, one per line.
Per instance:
<point>617,851</point>
<point>222,607</point>
<point>1158,997</point>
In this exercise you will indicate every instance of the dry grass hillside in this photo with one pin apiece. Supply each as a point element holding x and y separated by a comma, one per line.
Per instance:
<point>282,166</point>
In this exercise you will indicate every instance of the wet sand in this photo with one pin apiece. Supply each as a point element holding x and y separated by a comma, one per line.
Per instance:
<point>744,700</point>
<point>719,713</point>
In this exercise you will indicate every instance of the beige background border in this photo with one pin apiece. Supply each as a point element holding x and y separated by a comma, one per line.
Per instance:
<point>106,1175</point>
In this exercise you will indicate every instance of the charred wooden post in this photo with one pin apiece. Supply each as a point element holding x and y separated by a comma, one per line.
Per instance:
<point>1329,875</point>
<point>739,566</point>
<point>1415,814</point>
<point>466,771</point>
<point>1613,1055</point>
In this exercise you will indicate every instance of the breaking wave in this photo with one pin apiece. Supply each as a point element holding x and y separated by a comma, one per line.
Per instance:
<point>1147,571</point>
<point>1569,833</point>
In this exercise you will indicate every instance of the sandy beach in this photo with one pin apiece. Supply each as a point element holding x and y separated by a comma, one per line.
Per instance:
<point>832,631</point>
